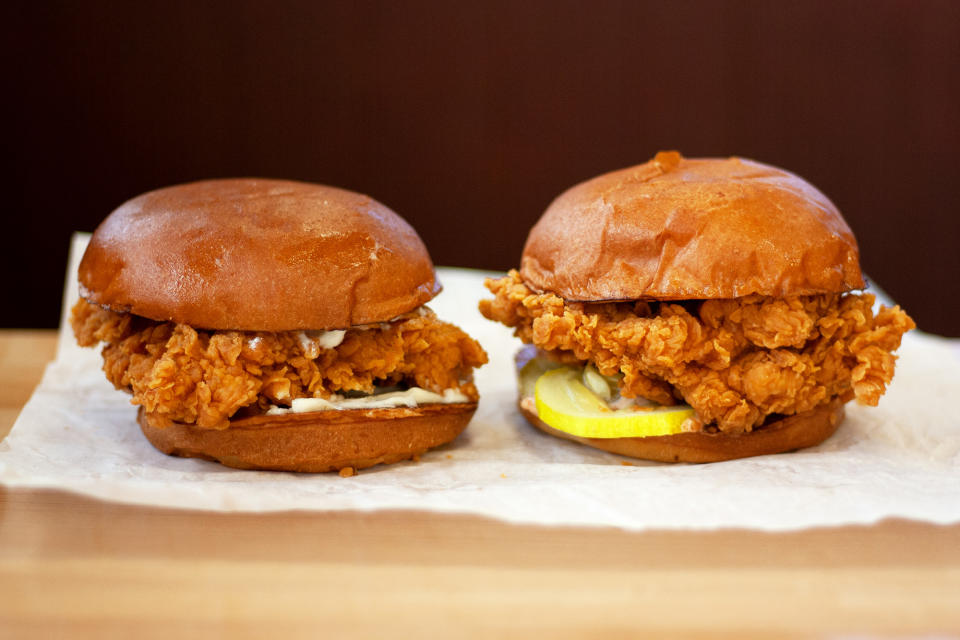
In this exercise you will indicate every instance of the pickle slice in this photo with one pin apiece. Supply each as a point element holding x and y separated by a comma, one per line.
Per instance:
<point>566,404</point>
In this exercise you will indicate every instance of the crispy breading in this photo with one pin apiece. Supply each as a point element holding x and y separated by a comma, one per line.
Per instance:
<point>735,361</point>
<point>180,374</point>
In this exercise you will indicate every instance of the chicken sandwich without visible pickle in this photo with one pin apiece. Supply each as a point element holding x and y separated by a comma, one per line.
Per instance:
<point>276,325</point>
<point>694,310</point>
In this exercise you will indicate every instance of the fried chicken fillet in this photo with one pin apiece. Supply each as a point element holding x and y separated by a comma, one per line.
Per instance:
<point>735,361</point>
<point>203,378</point>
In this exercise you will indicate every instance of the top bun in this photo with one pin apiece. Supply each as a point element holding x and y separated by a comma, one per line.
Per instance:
<point>257,255</point>
<point>677,228</point>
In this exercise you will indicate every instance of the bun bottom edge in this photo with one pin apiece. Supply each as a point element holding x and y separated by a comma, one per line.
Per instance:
<point>786,434</point>
<point>318,441</point>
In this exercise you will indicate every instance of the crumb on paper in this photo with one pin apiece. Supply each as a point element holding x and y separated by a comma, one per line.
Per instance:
<point>449,456</point>
<point>626,463</point>
<point>503,475</point>
<point>346,472</point>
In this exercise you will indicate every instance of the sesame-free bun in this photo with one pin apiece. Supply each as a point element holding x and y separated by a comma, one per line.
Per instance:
<point>676,228</point>
<point>317,441</point>
<point>257,255</point>
<point>777,436</point>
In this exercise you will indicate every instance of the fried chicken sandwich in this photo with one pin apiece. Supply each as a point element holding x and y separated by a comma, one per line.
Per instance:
<point>275,325</point>
<point>694,310</point>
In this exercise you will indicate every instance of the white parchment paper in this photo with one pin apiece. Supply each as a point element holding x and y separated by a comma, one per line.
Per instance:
<point>901,459</point>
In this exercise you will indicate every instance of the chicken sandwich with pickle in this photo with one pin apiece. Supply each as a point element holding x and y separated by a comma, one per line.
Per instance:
<point>694,310</point>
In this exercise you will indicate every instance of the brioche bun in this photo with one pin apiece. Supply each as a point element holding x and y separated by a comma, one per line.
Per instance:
<point>318,441</point>
<point>776,436</point>
<point>257,255</point>
<point>675,229</point>
<point>271,255</point>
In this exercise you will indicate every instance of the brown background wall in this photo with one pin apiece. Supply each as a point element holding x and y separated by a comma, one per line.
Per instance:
<point>467,118</point>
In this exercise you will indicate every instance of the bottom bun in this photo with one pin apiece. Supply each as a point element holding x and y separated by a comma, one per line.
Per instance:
<point>786,434</point>
<point>317,441</point>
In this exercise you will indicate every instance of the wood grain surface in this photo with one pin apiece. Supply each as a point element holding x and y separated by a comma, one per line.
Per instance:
<point>77,567</point>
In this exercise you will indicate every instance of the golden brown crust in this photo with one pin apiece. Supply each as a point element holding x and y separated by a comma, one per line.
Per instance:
<point>318,441</point>
<point>257,255</point>
<point>676,228</point>
<point>786,434</point>
<point>734,361</point>
<point>179,374</point>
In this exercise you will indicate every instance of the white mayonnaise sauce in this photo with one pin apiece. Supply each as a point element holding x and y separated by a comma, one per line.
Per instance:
<point>410,398</point>
<point>313,341</point>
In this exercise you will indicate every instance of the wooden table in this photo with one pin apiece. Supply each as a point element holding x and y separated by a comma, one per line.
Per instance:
<point>76,567</point>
